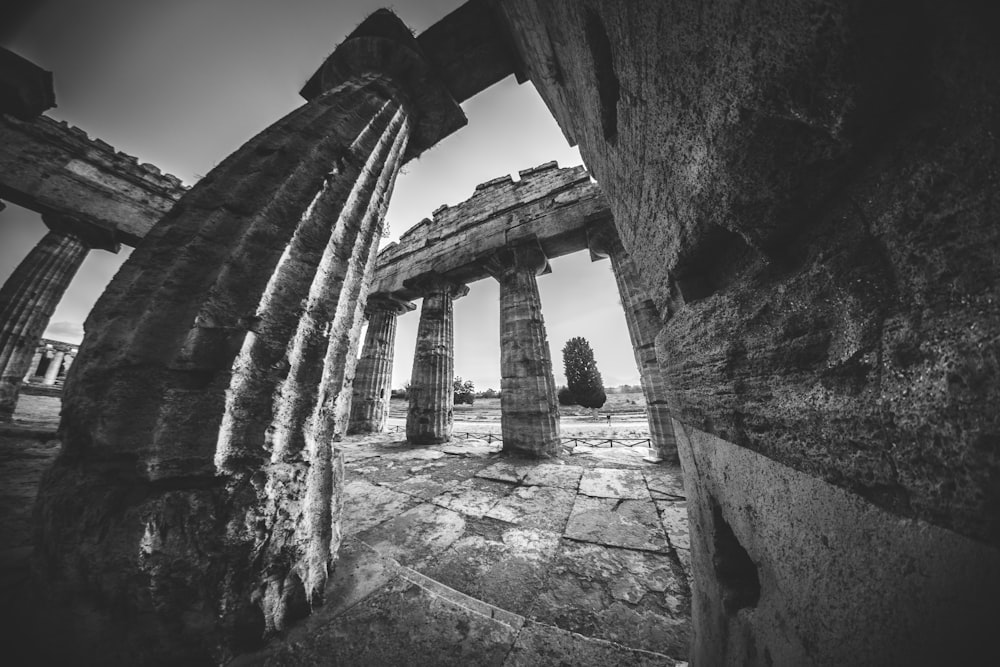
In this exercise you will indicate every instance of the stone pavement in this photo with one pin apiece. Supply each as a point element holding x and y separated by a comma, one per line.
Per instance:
<point>455,555</point>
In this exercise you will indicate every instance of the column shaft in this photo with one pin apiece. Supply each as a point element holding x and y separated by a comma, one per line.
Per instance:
<point>27,301</point>
<point>430,415</point>
<point>529,409</point>
<point>643,322</point>
<point>33,365</point>
<point>214,379</point>
<point>52,372</point>
<point>373,379</point>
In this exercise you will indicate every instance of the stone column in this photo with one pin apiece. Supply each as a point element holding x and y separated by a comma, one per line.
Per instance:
<point>67,362</point>
<point>33,365</point>
<point>27,301</point>
<point>373,379</point>
<point>643,321</point>
<point>199,479</point>
<point>432,400</point>
<point>529,409</point>
<point>52,372</point>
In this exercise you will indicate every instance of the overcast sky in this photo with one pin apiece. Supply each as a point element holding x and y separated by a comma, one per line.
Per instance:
<point>181,84</point>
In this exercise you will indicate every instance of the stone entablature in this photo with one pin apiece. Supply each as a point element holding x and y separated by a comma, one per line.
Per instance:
<point>54,168</point>
<point>553,205</point>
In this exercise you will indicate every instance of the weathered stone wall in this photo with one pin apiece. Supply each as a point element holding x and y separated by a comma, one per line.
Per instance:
<point>547,205</point>
<point>51,167</point>
<point>809,190</point>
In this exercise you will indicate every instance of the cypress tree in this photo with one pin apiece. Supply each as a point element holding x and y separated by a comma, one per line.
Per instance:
<point>582,377</point>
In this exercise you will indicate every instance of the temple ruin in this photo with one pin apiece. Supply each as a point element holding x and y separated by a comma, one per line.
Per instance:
<point>799,205</point>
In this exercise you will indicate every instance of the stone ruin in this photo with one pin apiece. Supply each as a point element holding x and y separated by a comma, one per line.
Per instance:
<point>799,203</point>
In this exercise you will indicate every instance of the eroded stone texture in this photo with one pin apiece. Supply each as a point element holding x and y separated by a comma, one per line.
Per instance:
<point>198,492</point>
<point>643,322</point>
<point>808,191</point>
<point>373,378</point>
<point>529,411</point>
<point>432,401</point>
<point>27,300</point>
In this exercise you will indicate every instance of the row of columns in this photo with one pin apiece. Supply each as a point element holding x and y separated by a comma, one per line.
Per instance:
<point>30,296</point>
<point>529,408</point>
<point>59,363</point>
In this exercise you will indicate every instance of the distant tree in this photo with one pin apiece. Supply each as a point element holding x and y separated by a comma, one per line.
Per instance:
<point>565,396</point>
<point>400,393</point>
<point>489,393</point>
<point>465,392</point>
<point>582,376</point>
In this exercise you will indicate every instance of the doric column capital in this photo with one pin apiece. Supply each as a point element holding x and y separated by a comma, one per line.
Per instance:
<point>603,241</point>
<point>523,255</point>
<point>384,301</point>
<point>88,234</point>
<point>383,46</point>
<point>433,282</point>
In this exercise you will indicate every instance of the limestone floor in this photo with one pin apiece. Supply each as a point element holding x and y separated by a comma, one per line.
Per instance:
<point>457,555</point>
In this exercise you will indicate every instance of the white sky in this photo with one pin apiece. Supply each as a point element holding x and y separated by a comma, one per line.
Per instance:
<point>181,84</point>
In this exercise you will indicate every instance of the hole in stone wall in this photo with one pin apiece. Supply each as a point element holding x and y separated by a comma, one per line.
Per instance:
<point>608,88</point>
<point>736,572</point>
<point>710,265</point>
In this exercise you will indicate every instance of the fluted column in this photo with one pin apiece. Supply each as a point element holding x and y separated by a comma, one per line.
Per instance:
<point>430,415</point>
<point>643,321</point>
<point>529,410</point>
<point>198,478</point>
<point>373,378</point>
<point>27,301</point>
<point>52,372</point>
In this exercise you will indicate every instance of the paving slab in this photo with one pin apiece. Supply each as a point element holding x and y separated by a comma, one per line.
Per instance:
<point>614,483</point>
<point>471,448</point>
<point>404,623</point>
<point>367,505</point>
<point>543,507</point>
<point>473,497</point>
<point>504,471</point>
<point>417,535</point>
<point>632,524</point>
<point>559,475</point>
<point>632,598</point>
<point>665,481</point>
<point>505,569</point>
<point>673,516</point>
<point>626,457</point>
<point>540,644</point>
<point>424,486</point>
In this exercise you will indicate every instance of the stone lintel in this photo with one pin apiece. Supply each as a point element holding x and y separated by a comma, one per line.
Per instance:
<point>550,205</point>
<point>383,46</point>
<point>91,235</point>
<point>50,167</point>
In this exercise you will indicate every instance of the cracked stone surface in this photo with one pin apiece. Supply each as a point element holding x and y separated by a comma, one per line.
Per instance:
<point>505,472</point>
<point>632,524</point>
<point>367,505</point>
<point>473,497</point>
<point>553,474</point>
<point>541,507</point>
<point>629,597</point>
<point>540,644</point>
<point>500,564</point>
<point>673,516</point>
<point>416,535</point>
<point>666,482</point>
<point>611,483</point>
